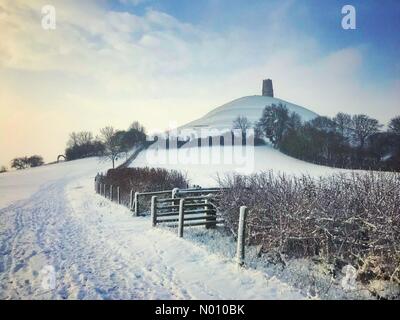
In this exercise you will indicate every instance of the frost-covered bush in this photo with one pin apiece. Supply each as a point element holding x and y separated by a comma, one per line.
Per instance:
<point>346,219</point>
<point>142,180</point>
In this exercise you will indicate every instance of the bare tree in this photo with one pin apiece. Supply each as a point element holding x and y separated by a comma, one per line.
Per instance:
<point>80,138</point>
<point>85,137</point>
<point>343,124</point>
<point>363,127</point>
<point>73,140</point>
<point>137,126</point>
<point>241,123</point>
<point>112,147</point>
<point>394,125</point>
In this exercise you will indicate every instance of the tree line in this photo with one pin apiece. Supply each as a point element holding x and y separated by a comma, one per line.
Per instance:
<point>26,162</point>
<point>344,141</point>
<point>110,143</point>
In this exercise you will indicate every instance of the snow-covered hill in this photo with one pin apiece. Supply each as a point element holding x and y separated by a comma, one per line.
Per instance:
<point>251,107</point>
<point>203,165</point>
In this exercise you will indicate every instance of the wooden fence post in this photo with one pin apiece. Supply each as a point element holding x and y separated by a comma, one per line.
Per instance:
<point>118,195</point>
<point>181,217</point>
<point>174,192</point>
<point>136,203</point>
<point>207,214</point>
<point>105,191</point>
<point>153,211</point>
<point>241,236</point>
<point>111,192</point>
<point>131,200</point>
<point>210,214</point>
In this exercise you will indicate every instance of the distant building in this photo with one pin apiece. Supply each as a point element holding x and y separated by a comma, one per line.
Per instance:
<point>267,89</point>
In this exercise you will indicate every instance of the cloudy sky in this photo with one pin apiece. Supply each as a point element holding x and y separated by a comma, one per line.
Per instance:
<point>171,61</point>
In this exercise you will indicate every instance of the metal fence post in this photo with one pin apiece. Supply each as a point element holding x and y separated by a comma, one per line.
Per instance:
<point>118,195</point>
<point>153,211</point>
<point>240,253</point>
<point>181,217</point>
<point>136,204</point>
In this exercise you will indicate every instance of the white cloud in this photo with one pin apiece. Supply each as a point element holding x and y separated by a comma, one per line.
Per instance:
<point>103,67</point>
<point>134,2</point>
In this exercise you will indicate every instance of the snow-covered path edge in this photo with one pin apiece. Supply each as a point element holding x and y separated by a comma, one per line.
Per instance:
<point>155,264</point>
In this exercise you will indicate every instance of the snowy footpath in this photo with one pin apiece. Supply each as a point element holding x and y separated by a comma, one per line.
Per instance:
<point>59,240</point>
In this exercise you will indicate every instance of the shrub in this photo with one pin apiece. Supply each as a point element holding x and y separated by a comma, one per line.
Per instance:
<point>20,163</point>
<point>343,219</point>
<point>27,162</point>
<point>35,161</point>
<point>143,180</point>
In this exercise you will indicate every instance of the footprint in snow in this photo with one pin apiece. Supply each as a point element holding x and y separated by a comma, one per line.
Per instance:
<point>19,266</point>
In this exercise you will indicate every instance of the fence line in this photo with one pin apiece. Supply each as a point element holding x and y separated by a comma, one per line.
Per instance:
<point>184,208</point>
<point>135,204</point>
<point>184,212</point>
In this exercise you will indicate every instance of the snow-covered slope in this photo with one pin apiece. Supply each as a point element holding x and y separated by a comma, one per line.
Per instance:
<point>217,122</point>
<point>18,185</point>
<point>251,107</point>
<point>203,165</point>
<point>60,240</point>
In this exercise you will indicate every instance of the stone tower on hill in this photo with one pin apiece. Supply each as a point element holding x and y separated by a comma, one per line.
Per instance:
<point>267,89</point>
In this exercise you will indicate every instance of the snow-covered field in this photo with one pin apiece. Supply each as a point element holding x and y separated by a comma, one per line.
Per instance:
<point>59,240</point>
<point>201,169</point>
